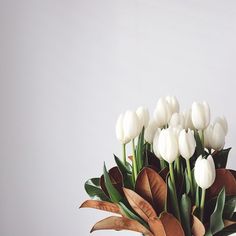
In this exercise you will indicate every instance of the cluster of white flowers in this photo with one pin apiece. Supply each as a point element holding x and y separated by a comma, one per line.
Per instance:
<point>171,133</point>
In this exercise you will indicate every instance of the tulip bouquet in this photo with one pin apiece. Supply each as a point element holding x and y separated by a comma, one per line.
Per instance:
<point>175,182</point>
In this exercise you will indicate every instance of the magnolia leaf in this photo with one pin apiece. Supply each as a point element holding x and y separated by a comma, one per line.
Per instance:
<point>126,172</point>
<point>229,207</point>
<point>220,158</point>
<point>156,227</point>
<point>164,172</point>
<point>120,223</point>
<point>92,187</point>
<point>140,150</point>
<point>216,220</point>
<point>153,161</point>
<point>140,206</point>
<point>116,180</point>
<point>112,191</point>
<point>185,210</point>
<point>198,228</point>
<point>171,225</point>
<point>152,188</point>
<point>104,206</point>
<point>224,178</point>
<point>230,228</point>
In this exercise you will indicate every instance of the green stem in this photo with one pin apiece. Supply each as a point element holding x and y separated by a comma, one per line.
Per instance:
<point>162,163</point>
<point>190,177</point>
<point>202,137</point>
<point>124,154</point>
<point>202,204</point>
<point>172,177</point>
<point>134,161</point>
<point>178,167</point>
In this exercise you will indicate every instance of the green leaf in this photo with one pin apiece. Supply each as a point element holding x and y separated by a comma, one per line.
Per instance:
<point>216,220</point>
<point>130,214</point>
<point>112,191</point>
<point>220,158</point>
<point>229,230</point>
<point>92,187</point>
<point>187,182</point>
<point>229,207</point>
<point>126,173</point>
<point>140,150</point>
<point>185,210</point>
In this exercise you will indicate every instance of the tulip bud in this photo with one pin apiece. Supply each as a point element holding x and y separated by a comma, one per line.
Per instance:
<point>143,115</point>
<point>149,132</point>
<point>200,115</point>
<point>168,145</point>
<point>155,143</point>
<point>162,112</point>
<point>187,144</point>
<point>188,124</point>
<point>131,125</point>
<point>177,120</point>
<point>204,172</point>
<point>120,130</point>
<point>207,136</point>
<point>217,140</point>
<point>174,104</point>
<point>223,123</point>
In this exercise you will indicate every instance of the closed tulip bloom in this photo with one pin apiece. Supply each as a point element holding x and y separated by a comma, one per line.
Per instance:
<point>120,130</point>
<point>188,124</point>
<point>168,145</point>
<point>162,112</point>
<point>149,132</point>
<point>177,120</point>
<point>204,172</point>
<point>143,115</point>
<point>217,140</point>
<point>174,104</point>
<point>131,125</point>
<point>207,136</point>
<point>223,123</point>
<point>155,143</point>
<point>200,115</point>
<point>187,144</point>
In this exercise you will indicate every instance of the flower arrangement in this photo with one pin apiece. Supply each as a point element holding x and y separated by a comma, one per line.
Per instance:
<point>175,182</point>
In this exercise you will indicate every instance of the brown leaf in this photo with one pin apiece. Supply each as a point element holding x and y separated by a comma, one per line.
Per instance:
<point>224,178</point>
<point>140,206</point>
<point>151,187</point>
<point>164,172</point>
<point>198,228</point>
<point>120,223</point>
<point>104,206</point>
<point>116,179</point>
<point>156,227</point>
<point>228,223</point>
<point>171,225</point>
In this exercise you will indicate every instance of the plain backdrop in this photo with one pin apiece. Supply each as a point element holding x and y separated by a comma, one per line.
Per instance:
<point>68,68</point>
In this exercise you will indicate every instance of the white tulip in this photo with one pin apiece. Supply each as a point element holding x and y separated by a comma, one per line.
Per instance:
<point>168,145</point>
<point>217,140</point>
<point>155,143</point>
<point>204,172</point>
<point>200,115</point>
<point>177,120</point>
<point>162,112</point>
<point>207,136</point>
<point>131,125</point>
<point>188,124</point>
<point>187,144</point>
<point>174,104</point>
<point>120,130</point>
<point>149,132</point>
<point>143,115</point>
<point>223,123</point>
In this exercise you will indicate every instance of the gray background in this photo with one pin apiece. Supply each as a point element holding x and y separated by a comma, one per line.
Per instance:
<point>68,68</point>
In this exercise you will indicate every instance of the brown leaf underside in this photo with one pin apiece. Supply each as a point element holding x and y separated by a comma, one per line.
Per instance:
<point>104,206</point>
<point>120,223</point>
<point>151,187</point>
<point>156,227</point>
<point>198,228</point>
<point>140,206</point>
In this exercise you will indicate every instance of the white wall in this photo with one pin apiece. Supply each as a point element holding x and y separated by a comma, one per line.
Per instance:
<point>68,68</point>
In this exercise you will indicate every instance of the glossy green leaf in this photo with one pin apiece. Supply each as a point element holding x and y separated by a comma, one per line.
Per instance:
<point>94,190</point>
<point>220,158</point>
<point>140,150</point>
<point>216,220</point>
<point>229,230</point>
<point>229,207</point>
<point>185,211</point>
<point>112,191</point>
<point>187,182</point>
